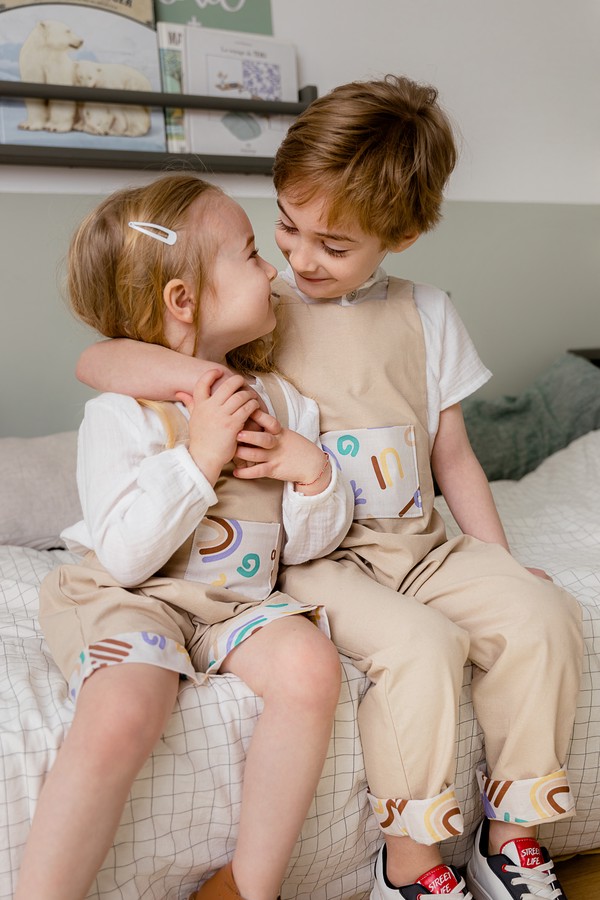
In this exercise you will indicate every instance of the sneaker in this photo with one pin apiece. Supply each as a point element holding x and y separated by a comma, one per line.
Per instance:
<point>522,870</point>
<point>439,880</point>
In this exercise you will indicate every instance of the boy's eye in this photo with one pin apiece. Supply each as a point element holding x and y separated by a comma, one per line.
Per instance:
<point>289,229</point>
<point>333,252</point>
<point>254,253</point>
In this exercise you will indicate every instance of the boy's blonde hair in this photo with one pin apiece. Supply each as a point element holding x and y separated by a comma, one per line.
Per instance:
<point>116,275</point>
<point>379,153</point>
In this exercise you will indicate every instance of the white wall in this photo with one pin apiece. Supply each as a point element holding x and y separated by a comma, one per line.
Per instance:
<point>519,77</point>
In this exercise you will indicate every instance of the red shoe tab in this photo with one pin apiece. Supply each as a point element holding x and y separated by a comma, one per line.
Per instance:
<point>440,880</point>
<point>524,852</point>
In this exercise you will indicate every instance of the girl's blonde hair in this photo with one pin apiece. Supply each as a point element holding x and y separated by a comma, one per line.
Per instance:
<point>116,275</point>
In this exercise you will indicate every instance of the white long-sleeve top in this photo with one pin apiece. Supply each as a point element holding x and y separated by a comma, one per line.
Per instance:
<point>141,501</point>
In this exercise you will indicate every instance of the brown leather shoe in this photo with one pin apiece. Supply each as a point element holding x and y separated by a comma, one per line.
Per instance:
<point>221,886</point>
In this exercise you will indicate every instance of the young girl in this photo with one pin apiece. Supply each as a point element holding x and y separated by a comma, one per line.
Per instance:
<point>195,542</point>
<point>359,174</point>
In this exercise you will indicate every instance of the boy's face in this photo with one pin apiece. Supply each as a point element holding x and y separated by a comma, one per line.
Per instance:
<point>327,262</point>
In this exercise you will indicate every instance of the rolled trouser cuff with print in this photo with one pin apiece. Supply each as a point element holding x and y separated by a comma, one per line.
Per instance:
<point>425,821</point>
<point>530,801</point>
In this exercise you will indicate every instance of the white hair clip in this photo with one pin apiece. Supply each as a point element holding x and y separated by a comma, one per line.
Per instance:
<point>161,234</point>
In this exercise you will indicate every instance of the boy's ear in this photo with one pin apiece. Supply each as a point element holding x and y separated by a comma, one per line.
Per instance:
<point>405,242</point>
<point>179,300</point>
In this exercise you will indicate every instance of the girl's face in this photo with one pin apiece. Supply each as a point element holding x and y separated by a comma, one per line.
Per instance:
<point>327,263</point>
<point>237,304</point>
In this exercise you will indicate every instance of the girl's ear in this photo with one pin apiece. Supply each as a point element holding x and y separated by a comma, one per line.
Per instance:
<point>179,300</point>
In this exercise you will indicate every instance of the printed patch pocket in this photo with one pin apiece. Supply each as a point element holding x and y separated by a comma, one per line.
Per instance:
<point>239,555</point>
<point>381,466</point>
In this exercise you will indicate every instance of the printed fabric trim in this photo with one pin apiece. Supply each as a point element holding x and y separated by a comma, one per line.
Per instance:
<point>244,625</point>
<point>425,821</point>
<point>137,647</point>
<point>531,801</point>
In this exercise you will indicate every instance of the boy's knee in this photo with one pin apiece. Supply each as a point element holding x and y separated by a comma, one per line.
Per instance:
<point>551,612</point>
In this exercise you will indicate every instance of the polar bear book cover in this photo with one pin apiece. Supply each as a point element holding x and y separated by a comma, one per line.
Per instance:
<point>91,43</point>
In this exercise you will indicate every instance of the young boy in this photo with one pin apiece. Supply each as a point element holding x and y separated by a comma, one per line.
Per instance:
<point>361,173</point>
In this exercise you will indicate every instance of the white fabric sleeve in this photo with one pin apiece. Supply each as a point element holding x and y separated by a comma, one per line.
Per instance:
<point>313,525</point>
<point>454,369</point>
<point>140,502</point>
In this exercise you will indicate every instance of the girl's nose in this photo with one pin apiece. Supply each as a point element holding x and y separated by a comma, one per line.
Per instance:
<point>270,271</point>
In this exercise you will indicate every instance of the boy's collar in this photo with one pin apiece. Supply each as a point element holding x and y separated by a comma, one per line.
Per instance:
<point>375,288</point>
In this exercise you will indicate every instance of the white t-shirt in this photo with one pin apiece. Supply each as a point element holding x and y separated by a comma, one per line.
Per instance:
<point>141,501</point>
<point>454,369</point>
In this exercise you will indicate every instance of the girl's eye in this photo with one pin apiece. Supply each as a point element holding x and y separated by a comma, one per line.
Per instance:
<point>255,253</point>
<point>333,252</point>
<point>289,229</point>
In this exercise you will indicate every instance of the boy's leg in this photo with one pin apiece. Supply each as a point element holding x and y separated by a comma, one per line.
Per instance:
<point>121,712</point>
<point>296,670</point>
<point>526,644</point>
<point>414,657</point>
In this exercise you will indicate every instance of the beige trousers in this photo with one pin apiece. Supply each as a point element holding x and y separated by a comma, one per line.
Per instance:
<point>475,602</point>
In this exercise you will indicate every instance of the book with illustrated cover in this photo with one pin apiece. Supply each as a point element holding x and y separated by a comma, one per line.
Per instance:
<point>90,43</point>
<point>249,16</point>
<point>171,38</point>
<point>232,64</point>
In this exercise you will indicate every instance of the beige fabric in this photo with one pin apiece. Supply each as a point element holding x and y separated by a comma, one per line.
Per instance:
<point>450,600</point>
<point>364,392</point>
<point>81,605</point>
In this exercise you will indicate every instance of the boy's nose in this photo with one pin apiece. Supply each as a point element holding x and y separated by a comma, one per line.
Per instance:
<point>301,260</point>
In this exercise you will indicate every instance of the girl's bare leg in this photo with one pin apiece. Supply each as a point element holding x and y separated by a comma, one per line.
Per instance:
<point>121,713</point>
<point>296,670</point>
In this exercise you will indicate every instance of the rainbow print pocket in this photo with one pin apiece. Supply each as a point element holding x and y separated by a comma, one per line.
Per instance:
<point>381,466</point>
<point>230,553</point>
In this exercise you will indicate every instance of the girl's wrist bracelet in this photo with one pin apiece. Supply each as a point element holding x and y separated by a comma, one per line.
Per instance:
<point>322,472</point>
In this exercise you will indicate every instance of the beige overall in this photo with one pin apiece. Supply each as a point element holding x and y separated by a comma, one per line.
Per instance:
<point>214,592</point>
<point>409,606</point>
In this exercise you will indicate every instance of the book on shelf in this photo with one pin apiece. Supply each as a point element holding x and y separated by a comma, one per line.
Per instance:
<point>250,16</point>
<point>218,63</point>
<point>170,48</point>
<point>88,43</point>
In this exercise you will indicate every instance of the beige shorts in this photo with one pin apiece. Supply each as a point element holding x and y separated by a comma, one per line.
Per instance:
<point>90,621</point>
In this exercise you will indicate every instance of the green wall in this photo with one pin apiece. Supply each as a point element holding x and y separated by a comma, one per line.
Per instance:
<point>524,277</point>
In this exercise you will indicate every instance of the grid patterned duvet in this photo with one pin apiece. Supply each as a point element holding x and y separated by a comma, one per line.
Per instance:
<point>180,821</point>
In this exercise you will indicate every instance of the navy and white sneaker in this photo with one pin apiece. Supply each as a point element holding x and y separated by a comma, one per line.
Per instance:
<point>439,880</point>
<point>521,871</point>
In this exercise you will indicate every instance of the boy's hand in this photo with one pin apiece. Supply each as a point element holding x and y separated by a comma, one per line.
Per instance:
<point>277,452</point>
<point>216,419</point>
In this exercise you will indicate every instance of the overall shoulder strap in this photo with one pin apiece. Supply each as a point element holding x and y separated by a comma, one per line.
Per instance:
<point>277,396</point>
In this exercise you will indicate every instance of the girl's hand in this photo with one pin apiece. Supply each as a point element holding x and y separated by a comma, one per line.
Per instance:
<point>277,452</point>
<point>216,419</point>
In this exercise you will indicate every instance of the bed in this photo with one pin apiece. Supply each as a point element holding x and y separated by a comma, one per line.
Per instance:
<point>179,823</point>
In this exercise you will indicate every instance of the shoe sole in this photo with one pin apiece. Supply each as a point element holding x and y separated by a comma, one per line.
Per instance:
<point>479,892</point>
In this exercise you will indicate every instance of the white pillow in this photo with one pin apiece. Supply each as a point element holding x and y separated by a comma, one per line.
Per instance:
<point>38,489</point>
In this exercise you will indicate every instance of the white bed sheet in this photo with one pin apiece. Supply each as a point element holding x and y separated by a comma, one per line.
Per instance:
<point>180,821</point>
